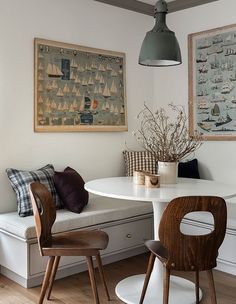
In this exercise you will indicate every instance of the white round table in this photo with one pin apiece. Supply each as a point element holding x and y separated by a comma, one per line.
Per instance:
<point>181,290</point>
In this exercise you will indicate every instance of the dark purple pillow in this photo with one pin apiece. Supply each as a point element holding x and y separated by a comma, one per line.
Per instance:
<point>70,187</point>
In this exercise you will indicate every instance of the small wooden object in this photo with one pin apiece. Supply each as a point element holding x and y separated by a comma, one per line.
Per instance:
<point>152,180</point>
<point>139,177</point>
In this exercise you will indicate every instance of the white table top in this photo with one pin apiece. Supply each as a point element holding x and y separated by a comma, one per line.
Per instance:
<point>123,188</point>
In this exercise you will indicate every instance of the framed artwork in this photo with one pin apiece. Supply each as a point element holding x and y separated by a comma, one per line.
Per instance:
<point>78,88</point>
<point>212,83</point>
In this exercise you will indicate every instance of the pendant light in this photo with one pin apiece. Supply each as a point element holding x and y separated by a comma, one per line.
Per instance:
<point>160,46</point>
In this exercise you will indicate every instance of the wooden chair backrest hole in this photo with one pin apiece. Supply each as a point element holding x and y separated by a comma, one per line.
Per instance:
<point>188,251</point>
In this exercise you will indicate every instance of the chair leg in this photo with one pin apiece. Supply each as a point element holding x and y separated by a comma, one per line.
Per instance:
<point>53,274</point>
<point>197,286</point>
<point>147,277</point>
<point>166,285</point>
<point>92,278</point>
<point>46,279</point>
<point>212,286</point>
<point>102,276</point>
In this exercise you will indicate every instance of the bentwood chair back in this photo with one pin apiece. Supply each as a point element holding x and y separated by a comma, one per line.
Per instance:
<point>87,243</point>
<point>178,251</point>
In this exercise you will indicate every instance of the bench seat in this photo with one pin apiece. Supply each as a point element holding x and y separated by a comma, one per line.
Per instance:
<point>100,210</point>
<point>128,224</point>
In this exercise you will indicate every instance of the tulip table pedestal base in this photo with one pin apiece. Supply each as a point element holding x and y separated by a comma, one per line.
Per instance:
<point>181,291</point>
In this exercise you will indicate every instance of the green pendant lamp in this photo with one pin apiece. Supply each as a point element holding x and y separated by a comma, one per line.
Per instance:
<point>160,46</point>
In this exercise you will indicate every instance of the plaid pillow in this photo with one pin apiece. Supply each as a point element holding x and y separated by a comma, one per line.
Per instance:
<point>20,181</point>
<point>139,160</point>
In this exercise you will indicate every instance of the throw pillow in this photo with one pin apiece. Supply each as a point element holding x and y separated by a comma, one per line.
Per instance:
<point>20,181</point>
<point>189,169</point>
<point>139,160</point>
<point>70,187</point>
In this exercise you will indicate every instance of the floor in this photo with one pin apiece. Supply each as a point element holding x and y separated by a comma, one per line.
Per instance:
<point>76,289</point>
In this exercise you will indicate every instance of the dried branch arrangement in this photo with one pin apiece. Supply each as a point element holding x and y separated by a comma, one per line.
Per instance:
<point>166,138</point>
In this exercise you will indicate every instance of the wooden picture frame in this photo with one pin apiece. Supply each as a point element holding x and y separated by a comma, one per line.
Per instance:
<point>78,88</point>
<point>212,83</point>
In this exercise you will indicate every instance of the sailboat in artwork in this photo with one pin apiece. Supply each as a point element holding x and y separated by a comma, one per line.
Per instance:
<point>71,108</point>
<point>113,89</point>
<point>112,108</point>
<point>60,107</point>
<point>40,67</point>
<point>116,111</point>
<point>53,105</point>
<point>75,105</point>
<point>106,92</point>
<point>90,81</point>
<point>80,68</point>
<point>40,87</point>
<point>101,80</point>
<point>48,107</point>
<point>94,66</point>
<point>95,90</point>
<point>77,79</point>
<point>53,70</point>
<point>73,63</point>
<point>40,100</point>
<point>40,76</point>
<point>60,93</point>
<point>114,73</point>
<point>122,110</point>
<point>72,75</point>
<point>88,67</point>
<point>48,86</point>
<point>74,90</point>
<point>78,93</point>
<point>97,77</point>
<point>108,67</point>
<point>101,68</point>
<point>65,106</point>
<point>66,89</point>
<point>84,82</point>
<point>100,90</point>
<point>54,85</point>
<point>104,107</point>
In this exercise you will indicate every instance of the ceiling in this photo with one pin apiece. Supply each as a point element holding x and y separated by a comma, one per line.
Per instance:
<point>147,6</point>
<point>152,1</point>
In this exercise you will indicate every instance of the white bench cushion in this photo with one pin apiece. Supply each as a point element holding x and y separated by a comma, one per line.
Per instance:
<point>99,210</point>
<point>205,217</point>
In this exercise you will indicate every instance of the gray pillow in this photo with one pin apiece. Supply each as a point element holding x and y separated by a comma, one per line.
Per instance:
<point>20,181</point>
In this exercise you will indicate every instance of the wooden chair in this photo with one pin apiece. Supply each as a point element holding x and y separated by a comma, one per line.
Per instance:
<point>77,243</point>
<point>178,251</point>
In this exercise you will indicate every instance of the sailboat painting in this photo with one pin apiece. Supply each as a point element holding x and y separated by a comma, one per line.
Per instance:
<point>78,88</point>
<point>212,83</point>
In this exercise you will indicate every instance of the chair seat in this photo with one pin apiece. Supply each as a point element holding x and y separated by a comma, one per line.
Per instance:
<point>158,249</point>
<point>86,242</point>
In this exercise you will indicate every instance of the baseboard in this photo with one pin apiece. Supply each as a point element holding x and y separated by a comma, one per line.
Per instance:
<point>226,266</point>
<point>70,270</point>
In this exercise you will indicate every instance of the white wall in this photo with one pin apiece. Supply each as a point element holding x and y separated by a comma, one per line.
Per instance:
<point>217,159</point>
<point>93,24</point>
<point>83,22</point>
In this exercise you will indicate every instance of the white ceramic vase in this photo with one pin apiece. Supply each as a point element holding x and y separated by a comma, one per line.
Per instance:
<point>168,172</point>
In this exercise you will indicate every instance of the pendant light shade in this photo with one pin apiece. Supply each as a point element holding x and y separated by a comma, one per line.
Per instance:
<point>160,46</point>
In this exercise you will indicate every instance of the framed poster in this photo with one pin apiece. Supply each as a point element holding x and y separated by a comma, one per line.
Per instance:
<point>78,88</point>
<point>212,83</point>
